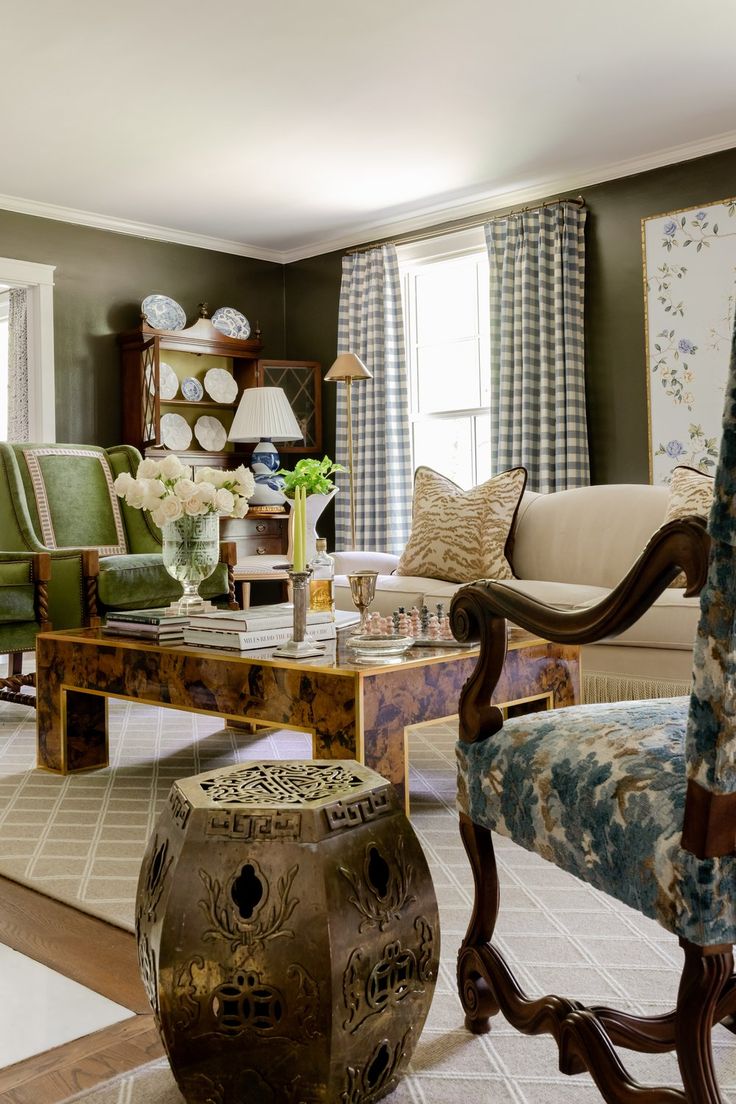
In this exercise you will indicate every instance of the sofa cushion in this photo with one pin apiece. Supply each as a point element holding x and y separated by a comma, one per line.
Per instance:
<point>460,536</point>
<point>589,535</point>
<point>691,494</point>
<point>142,581</point>
<point>17,593</point>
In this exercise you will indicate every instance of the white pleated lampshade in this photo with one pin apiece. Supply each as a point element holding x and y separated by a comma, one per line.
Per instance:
<point>264,412</point>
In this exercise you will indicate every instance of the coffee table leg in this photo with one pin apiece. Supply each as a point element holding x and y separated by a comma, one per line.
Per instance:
<point>71,730</point>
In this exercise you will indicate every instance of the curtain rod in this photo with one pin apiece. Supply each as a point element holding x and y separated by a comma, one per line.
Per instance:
<point>459,224</point>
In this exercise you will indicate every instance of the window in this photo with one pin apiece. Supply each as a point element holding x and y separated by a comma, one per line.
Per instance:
<point>38,279</point>
<point>447,319</point>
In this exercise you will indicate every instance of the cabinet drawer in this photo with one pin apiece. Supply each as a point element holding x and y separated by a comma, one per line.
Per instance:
<point>234,528</point>
<point>258,545</point>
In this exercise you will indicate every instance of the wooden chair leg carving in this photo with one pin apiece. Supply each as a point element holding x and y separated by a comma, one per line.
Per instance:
<point>586,1037</point>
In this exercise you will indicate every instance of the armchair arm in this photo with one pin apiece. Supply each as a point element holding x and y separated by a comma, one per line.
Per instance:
<point>40,565</point>
<point>478,612</point>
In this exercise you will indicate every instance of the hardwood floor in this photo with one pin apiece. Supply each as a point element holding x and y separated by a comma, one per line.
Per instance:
<point>93,953</point>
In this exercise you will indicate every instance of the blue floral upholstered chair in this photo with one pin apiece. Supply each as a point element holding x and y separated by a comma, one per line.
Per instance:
<point>637,799</point>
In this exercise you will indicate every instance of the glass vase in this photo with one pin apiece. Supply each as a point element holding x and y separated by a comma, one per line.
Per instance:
<point>191,551</point>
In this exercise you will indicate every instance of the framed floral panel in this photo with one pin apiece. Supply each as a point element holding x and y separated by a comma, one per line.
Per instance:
<point>689,298</point>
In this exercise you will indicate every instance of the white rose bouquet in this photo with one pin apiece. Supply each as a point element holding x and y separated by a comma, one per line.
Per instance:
<point>166,489</point>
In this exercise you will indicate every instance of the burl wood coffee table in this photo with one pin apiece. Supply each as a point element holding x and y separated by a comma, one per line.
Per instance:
<point>353,710</point>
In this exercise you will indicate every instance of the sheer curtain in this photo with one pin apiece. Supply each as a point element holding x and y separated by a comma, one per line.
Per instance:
<point>18,424</point>
<point>370,324</point>
<point>537,270</point>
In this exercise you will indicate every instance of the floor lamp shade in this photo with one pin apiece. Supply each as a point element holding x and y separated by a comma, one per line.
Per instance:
<point>264,415</point>
<point>349,367</point>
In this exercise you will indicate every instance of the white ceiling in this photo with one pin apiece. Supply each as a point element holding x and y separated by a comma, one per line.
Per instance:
<point>283,128</point>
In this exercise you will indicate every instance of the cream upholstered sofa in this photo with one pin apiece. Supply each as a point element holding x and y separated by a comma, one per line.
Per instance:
<point>568,549</point>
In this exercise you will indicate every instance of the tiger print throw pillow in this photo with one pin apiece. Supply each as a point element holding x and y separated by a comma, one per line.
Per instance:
<point>458,535</point>
<point>691,493</point>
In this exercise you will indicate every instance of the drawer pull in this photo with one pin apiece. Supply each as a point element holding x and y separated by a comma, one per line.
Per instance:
<point>261,527</point>
<point>261,551</point>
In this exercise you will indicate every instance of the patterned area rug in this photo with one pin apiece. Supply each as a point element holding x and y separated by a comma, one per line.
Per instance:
<point>80,839</point>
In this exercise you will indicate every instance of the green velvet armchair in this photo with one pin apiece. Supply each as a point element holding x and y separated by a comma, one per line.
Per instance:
<point>104,555</point>
<point>23,613</point>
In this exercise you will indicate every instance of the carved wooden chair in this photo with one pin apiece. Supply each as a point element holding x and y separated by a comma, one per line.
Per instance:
<point>637,799</point>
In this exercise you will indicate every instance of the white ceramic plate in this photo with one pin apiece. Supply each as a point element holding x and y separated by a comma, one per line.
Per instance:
<point>211,433</point>
<point>192,389</point>
<point>175,432</point>
<point>162,313</point>
<point>168,381</point>
<point>231,323</point>
<point>220,385</point>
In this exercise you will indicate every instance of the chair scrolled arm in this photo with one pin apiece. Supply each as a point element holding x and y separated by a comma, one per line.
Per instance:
<point>479,612</point>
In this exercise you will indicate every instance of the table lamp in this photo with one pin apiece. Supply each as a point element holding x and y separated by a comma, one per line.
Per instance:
<point>264,415</point>
<point>349,367</point>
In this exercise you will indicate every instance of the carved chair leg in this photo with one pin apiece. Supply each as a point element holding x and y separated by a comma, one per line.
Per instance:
<point>15,663</point>
<point>477,999</point>
<point>706,972</point>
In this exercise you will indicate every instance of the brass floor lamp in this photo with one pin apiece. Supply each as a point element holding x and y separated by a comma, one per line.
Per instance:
<point>349,367</point>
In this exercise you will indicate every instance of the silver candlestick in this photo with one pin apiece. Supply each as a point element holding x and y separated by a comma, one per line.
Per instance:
<point>300,646</point>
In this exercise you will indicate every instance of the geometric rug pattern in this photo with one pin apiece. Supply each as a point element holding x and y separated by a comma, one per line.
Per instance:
<point>81,839</point>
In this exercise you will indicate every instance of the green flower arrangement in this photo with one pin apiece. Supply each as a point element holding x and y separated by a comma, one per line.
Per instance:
<point>313,475</point>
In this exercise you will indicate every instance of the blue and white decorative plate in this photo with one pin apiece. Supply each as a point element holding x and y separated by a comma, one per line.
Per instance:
<point>192,389</point>
<point>231,323</point>
<point>162,313</point>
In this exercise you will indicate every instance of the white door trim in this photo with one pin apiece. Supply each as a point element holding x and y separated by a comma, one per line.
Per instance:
<point>39,281</point>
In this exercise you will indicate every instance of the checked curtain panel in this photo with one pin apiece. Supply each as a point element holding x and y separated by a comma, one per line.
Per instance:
<point>537,263</point>
<point>370,324</point>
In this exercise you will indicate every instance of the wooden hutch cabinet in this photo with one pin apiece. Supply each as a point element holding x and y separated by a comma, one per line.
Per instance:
<point>191,352</point>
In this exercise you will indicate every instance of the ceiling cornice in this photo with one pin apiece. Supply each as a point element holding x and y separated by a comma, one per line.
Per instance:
<point>487,202</point>
<point>481,203</point>
<point>137,229</point>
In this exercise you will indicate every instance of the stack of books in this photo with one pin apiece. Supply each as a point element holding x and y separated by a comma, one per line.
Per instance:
<point>261,627</point>
<point>156,625</point>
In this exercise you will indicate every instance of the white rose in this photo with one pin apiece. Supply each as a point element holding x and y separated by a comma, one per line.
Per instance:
<point>171,467</point>
<point>135,494</point>
<point>224,501</point>
<point>206,493</point>
<point>185,488</point>
<point>123,483</point>
<point>148,469</point>
<point>194,506</point>
<point>205,475</point>
<point>243,481</point>
<point>168,509</point>
<point>241,507</point>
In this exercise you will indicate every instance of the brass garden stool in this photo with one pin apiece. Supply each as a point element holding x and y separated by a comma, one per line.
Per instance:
<point>288,934</point>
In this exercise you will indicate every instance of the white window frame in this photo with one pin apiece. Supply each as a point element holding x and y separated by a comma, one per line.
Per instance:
<point>461,243</point>
<point>38,279</point>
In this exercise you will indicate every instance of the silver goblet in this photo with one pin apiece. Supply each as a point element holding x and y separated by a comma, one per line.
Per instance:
<point>362,591</point>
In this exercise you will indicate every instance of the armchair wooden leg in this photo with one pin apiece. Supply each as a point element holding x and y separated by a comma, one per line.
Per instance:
<point>706,972</point>
<point>15,663</point>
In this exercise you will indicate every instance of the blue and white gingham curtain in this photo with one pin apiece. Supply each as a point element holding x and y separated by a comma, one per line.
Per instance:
<point>537,262</point>
<point>370,324</point>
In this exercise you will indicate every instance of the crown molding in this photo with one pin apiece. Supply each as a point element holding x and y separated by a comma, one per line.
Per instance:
<point>137,229</point>
<point>480,204</point>
<point>487,202</point>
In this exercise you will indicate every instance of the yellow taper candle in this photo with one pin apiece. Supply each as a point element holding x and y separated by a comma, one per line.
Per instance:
<point>299,530</point>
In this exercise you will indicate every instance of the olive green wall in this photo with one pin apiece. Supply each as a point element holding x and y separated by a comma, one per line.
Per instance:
<point>100,280</point>
<point>615,360</point>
